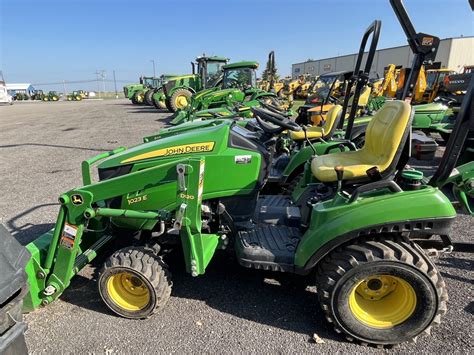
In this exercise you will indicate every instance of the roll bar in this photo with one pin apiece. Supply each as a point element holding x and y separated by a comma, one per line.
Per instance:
<point>462,127</point>
<point>423,46</point>
<point>271,60</point>
<point>360,77</point>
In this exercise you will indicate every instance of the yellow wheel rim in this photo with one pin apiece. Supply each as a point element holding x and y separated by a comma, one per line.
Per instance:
<point>181,101</point>
<point>128,292</point>
<point>382,301</point>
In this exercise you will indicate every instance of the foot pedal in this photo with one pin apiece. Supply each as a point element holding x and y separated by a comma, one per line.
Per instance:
<point>268,248</point>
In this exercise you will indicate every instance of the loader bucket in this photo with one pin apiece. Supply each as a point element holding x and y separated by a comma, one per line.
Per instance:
<point>13,288</point>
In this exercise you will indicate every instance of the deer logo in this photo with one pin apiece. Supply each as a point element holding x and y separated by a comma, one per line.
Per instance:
<point>77,200</point>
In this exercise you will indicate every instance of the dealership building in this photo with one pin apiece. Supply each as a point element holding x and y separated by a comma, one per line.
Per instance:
<point>453,53</point>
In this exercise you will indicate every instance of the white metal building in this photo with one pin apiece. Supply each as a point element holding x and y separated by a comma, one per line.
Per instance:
<point>453,53</point>
<point>25,88</point>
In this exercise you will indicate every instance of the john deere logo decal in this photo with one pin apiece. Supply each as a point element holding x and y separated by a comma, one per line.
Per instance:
<point>175,150</point>
<point>77,199</point>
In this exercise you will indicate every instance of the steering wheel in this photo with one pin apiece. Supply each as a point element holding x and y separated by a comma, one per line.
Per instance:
<point>333,99</point>
<point>273,108</point>
<point>445,100</point>
<point>267,120</point>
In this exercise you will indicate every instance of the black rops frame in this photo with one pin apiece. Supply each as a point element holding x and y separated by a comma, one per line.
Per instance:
<point>361,78</point>
<point>423,46</point>
<point>271,60</point>
<point>462,127</point>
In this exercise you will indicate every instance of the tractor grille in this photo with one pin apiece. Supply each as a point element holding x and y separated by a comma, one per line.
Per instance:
<point>125,91</point>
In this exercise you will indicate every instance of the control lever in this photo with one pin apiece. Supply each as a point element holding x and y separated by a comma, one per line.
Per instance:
<point>303,127</point>
<point>374,173</point>
<point>339,169</point>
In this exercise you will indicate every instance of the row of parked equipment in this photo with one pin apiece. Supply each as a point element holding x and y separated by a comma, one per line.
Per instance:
<point>39,95</point>
<point>328,195</point>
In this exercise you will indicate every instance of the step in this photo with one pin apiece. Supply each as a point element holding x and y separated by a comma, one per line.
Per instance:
<point>268,247</point>
<point>277,209</point>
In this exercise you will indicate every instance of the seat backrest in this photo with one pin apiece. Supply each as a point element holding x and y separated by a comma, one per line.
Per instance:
<point>363,97</point>
<point>387,133</point>
<point>330,122</point>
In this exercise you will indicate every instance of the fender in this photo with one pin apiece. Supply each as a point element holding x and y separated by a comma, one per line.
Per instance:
<point>337,221</point>
<point>181,87</point>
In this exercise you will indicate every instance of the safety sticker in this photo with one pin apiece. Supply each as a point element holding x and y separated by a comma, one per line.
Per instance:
<point>201,179</point>
<point>243,159</point>
<point>68,236</point>
<point>427,41</point>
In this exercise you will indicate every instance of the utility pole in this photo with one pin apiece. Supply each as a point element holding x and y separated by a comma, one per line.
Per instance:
<point>97,79</point>
<point>100,75</point>
<point>115,86</point>
<point>154,72</point>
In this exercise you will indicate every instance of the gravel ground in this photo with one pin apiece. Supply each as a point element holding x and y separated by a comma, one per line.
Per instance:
<point>230,309</point>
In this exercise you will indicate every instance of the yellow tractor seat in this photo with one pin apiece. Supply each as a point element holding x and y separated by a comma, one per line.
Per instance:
<point>385,138</point>
<point>326,130</point>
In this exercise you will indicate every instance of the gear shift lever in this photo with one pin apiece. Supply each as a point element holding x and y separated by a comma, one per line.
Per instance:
<point>339,175</point>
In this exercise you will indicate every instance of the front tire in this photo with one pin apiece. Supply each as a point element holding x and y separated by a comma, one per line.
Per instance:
<point>381,291</point>
<point>180,99</point>
<point>134,283</point>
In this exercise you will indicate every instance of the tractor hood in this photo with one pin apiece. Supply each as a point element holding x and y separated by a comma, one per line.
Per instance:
<point>208,139</point>
<point>434,106</point>
<point>215,94</point>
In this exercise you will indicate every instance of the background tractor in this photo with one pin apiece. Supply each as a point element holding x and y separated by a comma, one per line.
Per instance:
<point>235,96</point>
<point>53,96</point>
<point>177,91</point>
<point>74,96</point>
<point>38,95</point>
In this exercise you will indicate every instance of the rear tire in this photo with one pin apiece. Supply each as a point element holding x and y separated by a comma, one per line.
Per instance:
<point>138,97</point>
<point>180,99</point>
<point>135,283</point>
<point>159,104</point>
<point>381,291</point>
<point>148,97</point>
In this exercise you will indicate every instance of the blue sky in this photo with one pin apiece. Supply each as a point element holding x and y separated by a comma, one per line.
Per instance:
<point>50,41</point>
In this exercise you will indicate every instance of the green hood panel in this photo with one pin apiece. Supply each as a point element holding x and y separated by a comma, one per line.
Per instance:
<point>210,138</point>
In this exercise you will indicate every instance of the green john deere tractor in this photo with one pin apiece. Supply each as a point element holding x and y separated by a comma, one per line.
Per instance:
<point>237,94</point>
<point>177,91</point>
<point>136,92</point>
<point>38,95</point>
<point>375,284</point>
<point>22,96</point>
<point>129,90</point>
<point>74,96</point>
<point>52,96</point>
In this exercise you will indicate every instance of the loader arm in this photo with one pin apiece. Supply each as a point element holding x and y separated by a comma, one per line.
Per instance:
<point>82,227</point>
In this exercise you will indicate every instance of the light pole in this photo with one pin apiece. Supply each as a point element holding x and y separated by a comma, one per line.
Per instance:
<point>154,72</point>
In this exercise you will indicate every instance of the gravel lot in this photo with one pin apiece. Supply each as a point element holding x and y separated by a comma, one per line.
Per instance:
<point>230,309</point>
